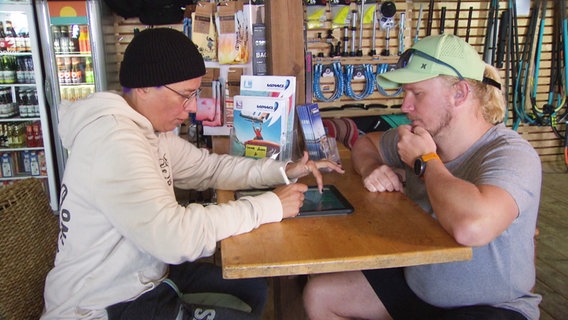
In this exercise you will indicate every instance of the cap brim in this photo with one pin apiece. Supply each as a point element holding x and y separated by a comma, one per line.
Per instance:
<point>394,79</point>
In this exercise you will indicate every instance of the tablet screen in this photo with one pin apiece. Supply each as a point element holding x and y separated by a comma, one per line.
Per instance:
<point>330,202</point>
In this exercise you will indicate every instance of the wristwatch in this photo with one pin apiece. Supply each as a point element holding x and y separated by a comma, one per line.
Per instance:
<point>420,163</point>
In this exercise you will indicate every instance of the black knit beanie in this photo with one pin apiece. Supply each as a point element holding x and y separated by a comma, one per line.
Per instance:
<point>160,56</point>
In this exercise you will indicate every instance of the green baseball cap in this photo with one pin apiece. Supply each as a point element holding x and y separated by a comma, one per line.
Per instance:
<point>432,56</point>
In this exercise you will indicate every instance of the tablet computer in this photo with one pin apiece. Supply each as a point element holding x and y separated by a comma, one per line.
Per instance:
<point>330,202</point>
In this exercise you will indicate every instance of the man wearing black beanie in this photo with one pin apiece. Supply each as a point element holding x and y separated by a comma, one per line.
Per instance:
<point>126,248</point>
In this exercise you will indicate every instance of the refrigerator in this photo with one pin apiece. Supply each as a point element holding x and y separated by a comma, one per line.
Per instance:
<point>79,54</point>
<point>26,148</point>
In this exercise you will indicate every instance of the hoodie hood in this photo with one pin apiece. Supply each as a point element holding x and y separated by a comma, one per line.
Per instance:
<point>74,116</point>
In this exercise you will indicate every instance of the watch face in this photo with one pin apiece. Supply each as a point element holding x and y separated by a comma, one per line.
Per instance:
<point>418,167</point>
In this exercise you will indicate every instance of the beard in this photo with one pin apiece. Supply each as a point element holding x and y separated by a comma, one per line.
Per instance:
<point>443,123</point>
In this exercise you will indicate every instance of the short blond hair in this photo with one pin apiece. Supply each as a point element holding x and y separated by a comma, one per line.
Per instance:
<point>491,99</point>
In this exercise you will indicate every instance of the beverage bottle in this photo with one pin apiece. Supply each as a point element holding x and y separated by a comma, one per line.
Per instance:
<point>27,164</point>
<point>74,38</point>
<point>30,73</point>
<point>10,37</point>
<point>23,103</point>
<point>34,164</point>
<point>9,70</point>
<point>56,30</point>
<point>1,71</point>
<point>76,74</point>
<point>20,70</point>
<point>64,39</point>
<point>2,37</point>
<point>7,165</point>
<point>20,43</point>
<point>60,69</point>
<point>37,134</point>
<point>84,44</point>
<point>27,42</point>
<point>67,74</point>
<point>89,73</point>
<point>30,141</point>
<point>33,108</point>
<point>42,163</point>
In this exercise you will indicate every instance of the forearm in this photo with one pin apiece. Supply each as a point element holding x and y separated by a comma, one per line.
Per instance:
<point>473,215</point>
<point>365,155</point>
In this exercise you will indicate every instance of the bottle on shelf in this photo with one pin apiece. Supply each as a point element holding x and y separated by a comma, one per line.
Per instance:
<point>64,39</point>
<point>7,165</point>
<point>84,44</point>
<point>27,42</point>
<point>30,139</point>
<point>33,109</point>
<point>21,70</point>
<point>10,37</point>
<point>34,164</point>
<point>56,30</point>
<point>89,73</point>
<point>38,136</point>
<point>74,38</point>
<point>8,69</point>
<point>30,73</point>
<point>67,70</point>
<point>2,37</point>
<point>76,74</point>
<point>23,104</point>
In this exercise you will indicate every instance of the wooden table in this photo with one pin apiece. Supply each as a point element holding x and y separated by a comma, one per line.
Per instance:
<point>385,230</point>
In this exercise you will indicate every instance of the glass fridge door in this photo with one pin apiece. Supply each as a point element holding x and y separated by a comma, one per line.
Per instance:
<point>25,139</point>
<point>74,56</point>
<point>71,45</point>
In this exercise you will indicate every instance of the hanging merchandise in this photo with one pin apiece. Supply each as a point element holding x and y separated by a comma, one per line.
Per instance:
<point>334,70</point>
<point>457,17</point>
<point>382,68</point>
<point>468,28</point>
<point>232,28</point>
<point>522,71</point>
<point>315,16</point>
<point>207,99</point>
<point>442,20</point>
<point>364,71</point>
<point>550,113</point>
<point>401,28</point>
<point>554,110</point>
<point>430,18</point>
<point>388,12</point>
<point>491,33</point>
<point>203,32</point>
<point>418,24</point>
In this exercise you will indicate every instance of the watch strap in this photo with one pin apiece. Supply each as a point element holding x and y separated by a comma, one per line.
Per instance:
<point>430,156</point>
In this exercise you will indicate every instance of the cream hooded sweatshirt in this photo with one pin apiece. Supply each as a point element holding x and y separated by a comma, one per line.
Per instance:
<point>120,223</point>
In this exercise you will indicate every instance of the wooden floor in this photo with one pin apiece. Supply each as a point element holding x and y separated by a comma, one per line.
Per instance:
<point>552,246</point>
<point>552,243</point>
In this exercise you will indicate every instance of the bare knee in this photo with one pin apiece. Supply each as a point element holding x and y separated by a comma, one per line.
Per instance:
<point>319,298</point>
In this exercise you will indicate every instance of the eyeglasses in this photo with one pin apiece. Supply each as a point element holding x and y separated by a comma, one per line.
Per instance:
<point>188,97</point>
<point>407,55</point>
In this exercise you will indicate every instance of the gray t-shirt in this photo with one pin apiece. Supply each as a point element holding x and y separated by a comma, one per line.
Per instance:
<point>501,273</point>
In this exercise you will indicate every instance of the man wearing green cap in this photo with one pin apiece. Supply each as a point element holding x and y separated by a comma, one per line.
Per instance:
<point>126,248</point>
<point>480,180</point>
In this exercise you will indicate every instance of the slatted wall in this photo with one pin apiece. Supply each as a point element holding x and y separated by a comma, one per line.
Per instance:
<point>548,145</point>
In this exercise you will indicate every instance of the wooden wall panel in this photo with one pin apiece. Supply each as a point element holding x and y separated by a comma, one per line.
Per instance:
<point>543,138</point>
<point>286,38</point>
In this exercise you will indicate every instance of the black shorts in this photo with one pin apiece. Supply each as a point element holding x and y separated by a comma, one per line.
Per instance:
<point>163,302</point>
<point>403,304</point>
